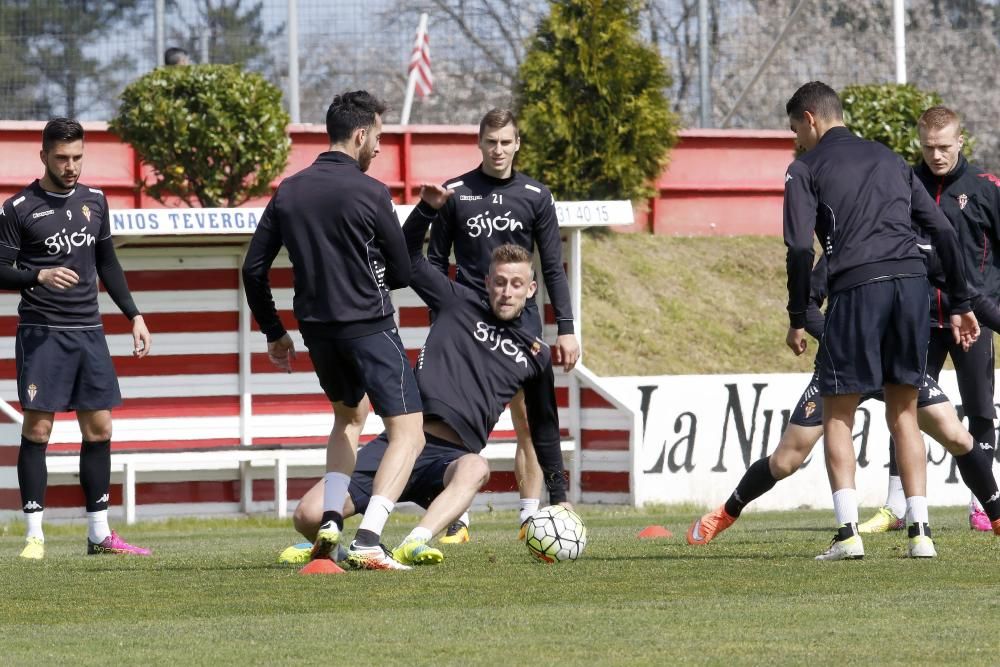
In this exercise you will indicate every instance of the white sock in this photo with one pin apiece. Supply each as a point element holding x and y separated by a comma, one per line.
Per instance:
<point>845,506</point>
<point>335,491</point>
<point>974,504</point>
<point>528,507</point>
<point>33,524</point>
<point>97,526</point>
<point>379,509</point>
<point>916,510</point>
<point>895,498</point>
<point>465,518</point>
<point>420,534</point>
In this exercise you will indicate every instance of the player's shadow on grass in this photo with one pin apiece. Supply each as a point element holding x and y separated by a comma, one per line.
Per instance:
<point>798,529</point>
<point>692,555</point>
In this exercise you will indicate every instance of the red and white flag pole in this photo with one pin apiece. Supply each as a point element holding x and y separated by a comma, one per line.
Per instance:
<point>420,80</point>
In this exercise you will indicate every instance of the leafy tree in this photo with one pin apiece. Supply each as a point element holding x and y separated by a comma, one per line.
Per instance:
<point>888,113</point>
<point>592,110</point>
<point>214,134</point>
<point>45,65</point>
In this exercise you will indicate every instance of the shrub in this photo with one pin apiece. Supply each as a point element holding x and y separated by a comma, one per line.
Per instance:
<point>213,134</point>
<point>591,105</point>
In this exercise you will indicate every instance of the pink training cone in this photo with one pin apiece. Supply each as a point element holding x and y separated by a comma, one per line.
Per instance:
<point>654,532</point>
<point>321,566</point>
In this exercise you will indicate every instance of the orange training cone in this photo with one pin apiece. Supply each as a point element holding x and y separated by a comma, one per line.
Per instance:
<point>322,566</point>
<point>654,532</point>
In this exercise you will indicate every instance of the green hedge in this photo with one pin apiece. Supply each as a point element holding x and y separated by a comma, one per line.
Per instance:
<point>214,134</point>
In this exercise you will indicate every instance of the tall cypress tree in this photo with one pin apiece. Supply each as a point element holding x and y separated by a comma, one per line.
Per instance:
<point>591,103</point>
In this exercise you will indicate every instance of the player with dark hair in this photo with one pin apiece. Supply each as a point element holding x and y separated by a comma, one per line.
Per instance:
<point>495,204</point>
<point>862,200</point>
<point>175,55</point>
<point>935,413</point>
<point>478,355</point>
<point>347,252</point>
<point>58,233</point>
<point>970,198</point>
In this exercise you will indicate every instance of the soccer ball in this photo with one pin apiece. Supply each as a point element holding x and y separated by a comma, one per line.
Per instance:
<point>555,533</point>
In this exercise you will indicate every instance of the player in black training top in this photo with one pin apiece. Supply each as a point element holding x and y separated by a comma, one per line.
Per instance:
<point>970,199</point>
<point>495,204</point>
<point>478,354</point>
<point>935,412</point>
<point>347,251</point>
<point>57,232</point>
<point>862,201</point>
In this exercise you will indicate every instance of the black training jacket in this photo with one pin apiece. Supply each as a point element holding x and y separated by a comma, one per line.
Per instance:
<point>861,200</point>
<point>970,199</point>
<point>473,363</point>
<point>346,247</point>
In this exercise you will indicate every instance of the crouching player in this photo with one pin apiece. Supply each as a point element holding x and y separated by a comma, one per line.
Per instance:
<point>935,414</point>
<point>477,356</point>
<point>444,481</point>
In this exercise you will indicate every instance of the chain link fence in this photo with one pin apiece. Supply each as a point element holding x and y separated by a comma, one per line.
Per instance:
<point>73,57</point>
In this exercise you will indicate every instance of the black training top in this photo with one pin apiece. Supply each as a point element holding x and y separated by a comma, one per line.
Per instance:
<point>861,200</point>
<point>473,363</point>
<point>970,198</point>
<point>346,248</point>
<point>44,230</point>
<point>486,212</point>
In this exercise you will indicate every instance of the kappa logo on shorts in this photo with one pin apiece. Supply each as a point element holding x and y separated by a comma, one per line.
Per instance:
<point>32,391</point>
<point>106,498</point>
<point>31,505</point>
<point>810,408</point>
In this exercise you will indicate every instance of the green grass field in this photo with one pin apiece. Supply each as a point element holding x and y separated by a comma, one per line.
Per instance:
<point>213,594</point>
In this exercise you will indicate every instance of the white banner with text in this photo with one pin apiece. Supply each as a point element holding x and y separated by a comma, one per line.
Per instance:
<point>700,433</point>
<point>218,221</point>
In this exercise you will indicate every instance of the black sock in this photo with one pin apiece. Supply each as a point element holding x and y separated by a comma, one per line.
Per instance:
<point>32,474</point>
<point>918,529</point>
<point>336,517</point>
<point>95,474</point>
<point>976,469</point>
<point>893,469</point>
<point>756,481</point>
<point>983,435</point>
<point>366,538</point>
<point>846,532</point>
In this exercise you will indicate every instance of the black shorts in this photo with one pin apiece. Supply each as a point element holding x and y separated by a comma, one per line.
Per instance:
<point>376,364</point>
<point>809,410</point>
<point>426,481</point>
<point>875,334</point>
<point>973,369</point>
<point>64,369</point>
